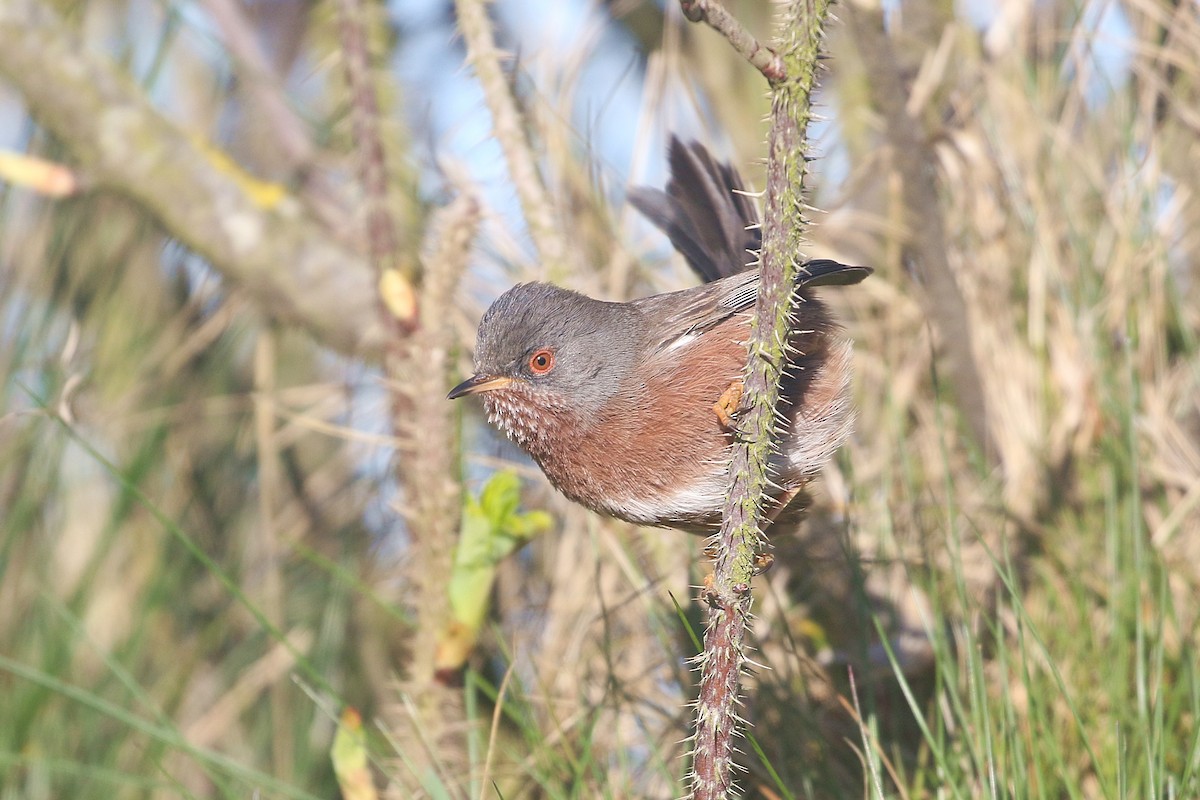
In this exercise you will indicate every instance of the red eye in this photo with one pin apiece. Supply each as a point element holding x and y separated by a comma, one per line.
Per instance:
<point>541,362</point>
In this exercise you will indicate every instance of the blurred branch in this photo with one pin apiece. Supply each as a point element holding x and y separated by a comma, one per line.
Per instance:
<point>1170,70</point>
<point>291,133</point>
<point>507,126</point>
<point>266,553</point>
<point>739,540</point>
<point>762,58</point>
<point>289,137</point>
<point>924,246</point>
<point>256,234</point>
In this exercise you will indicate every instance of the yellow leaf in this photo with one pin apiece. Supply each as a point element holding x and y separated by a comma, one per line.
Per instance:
<point>350,759</point>
<point>398,295</point>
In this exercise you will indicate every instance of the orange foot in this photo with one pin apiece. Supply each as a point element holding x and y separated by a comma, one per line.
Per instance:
<point>726,407</point>
<point>763,562</point>
<point>708,592</point>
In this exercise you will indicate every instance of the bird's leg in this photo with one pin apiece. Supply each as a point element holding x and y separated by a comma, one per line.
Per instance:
<point>781,505</point>
<point>764,560</point>
<point>726,407</point>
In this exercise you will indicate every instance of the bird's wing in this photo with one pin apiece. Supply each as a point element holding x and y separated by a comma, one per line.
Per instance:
<point>676,318</point>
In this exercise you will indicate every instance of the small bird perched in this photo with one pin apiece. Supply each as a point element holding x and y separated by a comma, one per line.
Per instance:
<point>630,408</point>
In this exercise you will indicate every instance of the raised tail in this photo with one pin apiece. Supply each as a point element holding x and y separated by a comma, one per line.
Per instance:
<point>704,212</point>
<point>708,217</point>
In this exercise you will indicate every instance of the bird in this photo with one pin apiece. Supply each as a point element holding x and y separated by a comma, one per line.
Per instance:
<point>630,408</point>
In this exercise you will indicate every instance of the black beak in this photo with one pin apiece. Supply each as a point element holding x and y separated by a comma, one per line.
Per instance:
<point>478,383</point>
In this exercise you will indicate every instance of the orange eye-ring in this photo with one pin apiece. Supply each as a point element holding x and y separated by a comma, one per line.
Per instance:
<point>541,362</point>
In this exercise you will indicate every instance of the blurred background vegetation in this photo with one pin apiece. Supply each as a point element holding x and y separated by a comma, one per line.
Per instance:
<point>230,488</point>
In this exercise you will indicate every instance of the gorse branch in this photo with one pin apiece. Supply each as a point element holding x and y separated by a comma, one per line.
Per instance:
<point>419,358</point>
<point>740,540</point>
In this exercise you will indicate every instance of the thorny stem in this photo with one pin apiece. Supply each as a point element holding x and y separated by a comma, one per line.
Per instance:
<point>428,728</point>
<point>421,355</point>
<point>739,539</point>
<point>436,507</point>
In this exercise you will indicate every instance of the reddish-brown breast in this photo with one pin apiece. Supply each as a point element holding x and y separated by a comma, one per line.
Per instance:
<point>655,453</point>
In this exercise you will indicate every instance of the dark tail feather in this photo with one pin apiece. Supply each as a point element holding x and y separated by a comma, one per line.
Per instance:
<point>711,221</point>
<point>827,272</point>
<point>703,212</point>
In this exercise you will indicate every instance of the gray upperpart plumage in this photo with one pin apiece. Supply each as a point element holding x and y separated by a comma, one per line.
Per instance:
<point>595,343</point>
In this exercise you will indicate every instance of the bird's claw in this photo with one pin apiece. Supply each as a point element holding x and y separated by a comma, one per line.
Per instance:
<point>708,592</point>
<point>763,562</point>
<point>726,407</point>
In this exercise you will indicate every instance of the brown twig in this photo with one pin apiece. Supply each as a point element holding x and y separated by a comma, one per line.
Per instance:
<point>739,540</point>
<point>761,57</point>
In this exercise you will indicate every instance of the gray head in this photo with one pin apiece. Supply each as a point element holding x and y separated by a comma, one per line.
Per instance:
<point>545,342</point>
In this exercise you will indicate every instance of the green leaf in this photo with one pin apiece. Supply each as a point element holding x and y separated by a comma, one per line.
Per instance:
<point>493,528</point>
